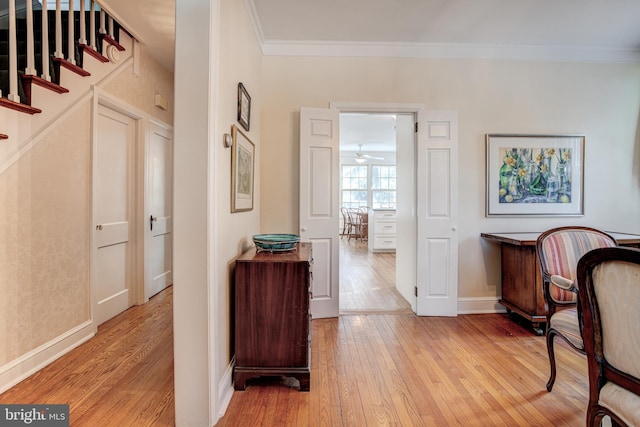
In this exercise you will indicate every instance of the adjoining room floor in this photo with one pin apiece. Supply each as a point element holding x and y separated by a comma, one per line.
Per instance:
<point>368,280</point>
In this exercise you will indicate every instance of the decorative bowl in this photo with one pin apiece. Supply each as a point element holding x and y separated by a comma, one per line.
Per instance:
<point>276,242</point>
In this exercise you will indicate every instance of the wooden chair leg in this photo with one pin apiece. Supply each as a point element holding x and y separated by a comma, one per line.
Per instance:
<point>552,359</point>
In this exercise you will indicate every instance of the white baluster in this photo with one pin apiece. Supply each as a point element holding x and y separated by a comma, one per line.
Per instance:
<point>83,24</point>
<point>31,56</point>
<point>58,52</point>
<point>102,29</point>
<point>45,42</point>
<point>71,57</point>
<point>92,26</point>
<point>13,55</point>
<point>111,27</point>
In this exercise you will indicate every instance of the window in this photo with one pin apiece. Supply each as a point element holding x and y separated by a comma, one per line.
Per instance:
<point>354,185</point>
<point>383,186</point>
<point>368,185</point>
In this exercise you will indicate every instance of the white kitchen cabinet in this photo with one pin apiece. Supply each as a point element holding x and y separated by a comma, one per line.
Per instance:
<point>382,230</point>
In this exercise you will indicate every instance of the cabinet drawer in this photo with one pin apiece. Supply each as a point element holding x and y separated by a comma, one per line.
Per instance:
<point>385,242</point>
<point>385,215</point>
<point>385,227</point>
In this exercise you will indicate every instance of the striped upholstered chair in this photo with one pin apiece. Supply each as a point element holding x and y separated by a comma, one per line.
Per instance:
<point>559,251</point>
<point>609,280</point>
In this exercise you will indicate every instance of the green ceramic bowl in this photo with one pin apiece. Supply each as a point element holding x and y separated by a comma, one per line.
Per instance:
<point>276,242</point>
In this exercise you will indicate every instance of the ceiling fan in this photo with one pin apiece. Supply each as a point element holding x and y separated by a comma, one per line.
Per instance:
<point>361,157</point>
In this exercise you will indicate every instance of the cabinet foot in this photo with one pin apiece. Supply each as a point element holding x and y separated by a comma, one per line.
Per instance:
<point>240,378</point>
<point>305,383</point>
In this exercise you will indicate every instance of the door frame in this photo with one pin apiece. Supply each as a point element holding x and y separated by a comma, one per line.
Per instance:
<point>390,108</point>
<point>101,98</point>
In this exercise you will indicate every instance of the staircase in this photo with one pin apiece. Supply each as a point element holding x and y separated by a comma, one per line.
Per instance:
<point>86,46</point>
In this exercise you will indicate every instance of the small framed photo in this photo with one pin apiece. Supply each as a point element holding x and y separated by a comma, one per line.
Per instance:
<point>535,175</point>
<point>242,171</point>
<point>244,107</point>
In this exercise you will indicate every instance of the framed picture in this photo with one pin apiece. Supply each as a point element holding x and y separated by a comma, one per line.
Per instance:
<point>244,107</point>
<point>242,168</point>
<point>535,175</point>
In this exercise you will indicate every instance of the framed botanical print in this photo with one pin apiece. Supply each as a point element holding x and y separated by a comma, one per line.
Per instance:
<point>534,175</point>
<point>244,107</point>
<point>242,171</point>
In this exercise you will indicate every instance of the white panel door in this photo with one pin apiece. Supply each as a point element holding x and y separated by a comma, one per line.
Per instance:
<point>437,213</point>
<point>159,235</point>
<point>114,152</point>
<point>319,212</point>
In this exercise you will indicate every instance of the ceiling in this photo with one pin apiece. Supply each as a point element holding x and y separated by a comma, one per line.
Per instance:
<point>368,132</point>
<point>605,30</point>
<point>565,30</point>
<point>579,29</point>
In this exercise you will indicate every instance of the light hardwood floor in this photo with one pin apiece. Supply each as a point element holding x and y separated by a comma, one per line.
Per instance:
<point>366,370</point>
<point>121,377</point>
<point>368,280</point>
<point>403,370</point>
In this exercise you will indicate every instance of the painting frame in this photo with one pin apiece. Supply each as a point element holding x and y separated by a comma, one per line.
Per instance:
<point>534,175</point>
<point>244,107</point>
<point>242,171</point>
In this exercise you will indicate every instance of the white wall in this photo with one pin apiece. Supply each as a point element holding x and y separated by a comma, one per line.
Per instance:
<point>241,61</point>
<point>601,101</point>
<point>208,237</point>
<point>194,337</point>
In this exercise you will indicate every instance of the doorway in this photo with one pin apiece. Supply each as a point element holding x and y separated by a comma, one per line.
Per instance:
<point>429,222</point>
<point>132,204</point>
<point>371,169</point>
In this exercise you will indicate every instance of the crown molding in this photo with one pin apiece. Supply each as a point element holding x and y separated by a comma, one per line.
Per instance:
<point>446,51</point>
<point>255,23</point>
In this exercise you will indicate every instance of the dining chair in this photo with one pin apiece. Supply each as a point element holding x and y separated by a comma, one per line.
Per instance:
<point>346,224</point>
<point>558,251</point>
<point>355,221</point>
<point>609,297</point>
<point>363,212</point>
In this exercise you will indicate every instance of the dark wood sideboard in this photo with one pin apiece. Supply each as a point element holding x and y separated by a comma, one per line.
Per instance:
<point>521,276</point>
<point>272,315</point>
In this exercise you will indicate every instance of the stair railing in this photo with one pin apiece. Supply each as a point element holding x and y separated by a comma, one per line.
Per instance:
<point>105,32</point>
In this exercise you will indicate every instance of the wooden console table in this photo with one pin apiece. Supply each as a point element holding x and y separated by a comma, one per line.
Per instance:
<point>521,276</point>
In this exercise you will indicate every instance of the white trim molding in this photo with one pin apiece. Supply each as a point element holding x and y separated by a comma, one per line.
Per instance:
<point>449,51</point>
<point>480,305</point>
<point>29,363</point>
<point>225,389</point>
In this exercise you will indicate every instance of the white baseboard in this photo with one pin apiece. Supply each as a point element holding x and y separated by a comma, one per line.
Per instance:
<point>480,305</point>
<point>225,389</point>
<point>29,363</point>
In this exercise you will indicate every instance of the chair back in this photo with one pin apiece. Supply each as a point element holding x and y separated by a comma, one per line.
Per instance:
<point>609,281</point>
<point>559,250</point>
<point>354,218</point>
